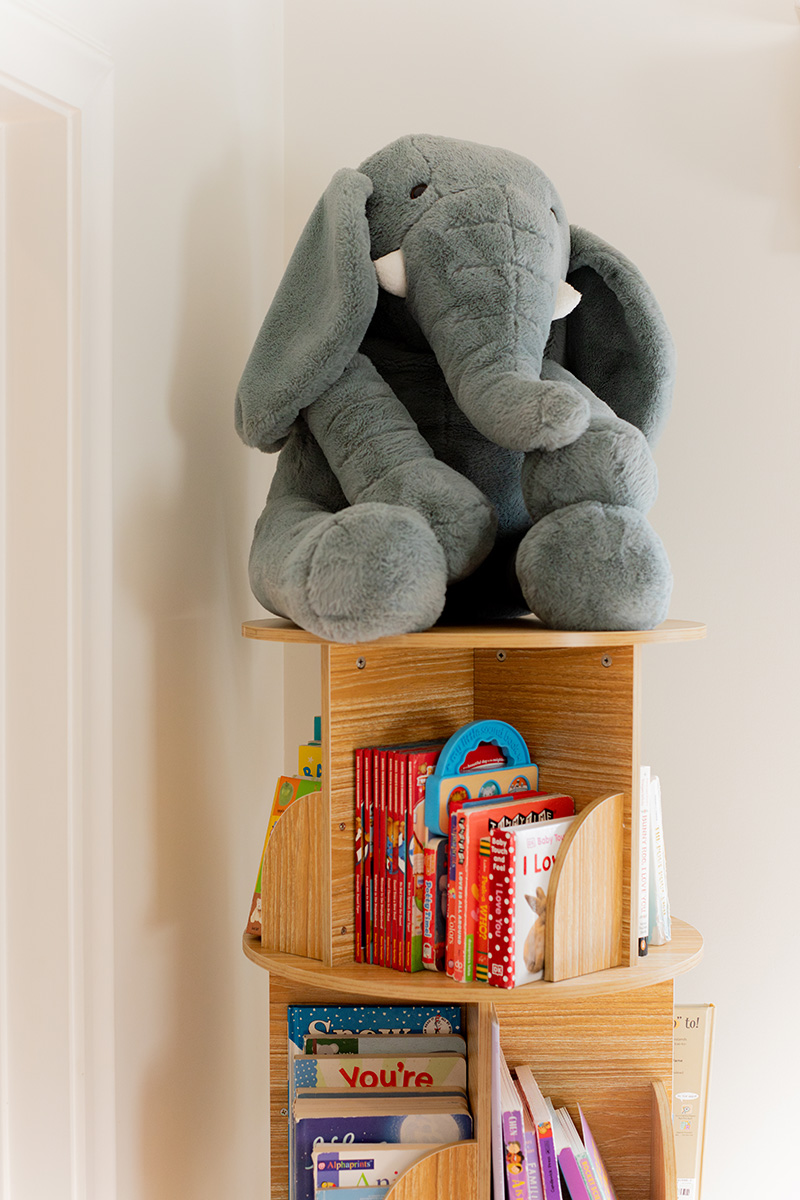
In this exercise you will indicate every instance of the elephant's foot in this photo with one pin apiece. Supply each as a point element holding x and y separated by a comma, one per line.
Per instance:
<point>460,516</point>
<point>610,463</point>
<point>595,566</point>
<point>356,575</point>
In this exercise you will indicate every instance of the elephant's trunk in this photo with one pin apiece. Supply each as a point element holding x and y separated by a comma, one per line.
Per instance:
<point>483,269</point>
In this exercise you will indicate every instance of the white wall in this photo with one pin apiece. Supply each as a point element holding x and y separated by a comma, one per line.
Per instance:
<point>671,129</point>
<point>198,722</point>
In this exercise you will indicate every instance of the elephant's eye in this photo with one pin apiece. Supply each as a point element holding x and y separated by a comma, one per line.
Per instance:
<point>417,190</point>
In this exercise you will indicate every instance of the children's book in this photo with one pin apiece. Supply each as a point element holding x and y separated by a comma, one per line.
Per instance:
<point>660,930</point>
<point>313,1020</point>
<point>434,918</point>
<point>386,1044</point>
<point>595,1158</point>
<point>356,1193</point>
<point>435,1120</point>
<point>474,822</point>
<point>482,759</point>
<point>366,1075</point>
<point>543,1124</point>
<point>419,767</point>
<point>362,1166</point>
<point>521,863</point>
<point>693,1031</point>
<point>288,789</point>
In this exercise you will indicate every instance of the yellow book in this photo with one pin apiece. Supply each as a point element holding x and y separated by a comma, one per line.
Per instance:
<point>693,1031</point>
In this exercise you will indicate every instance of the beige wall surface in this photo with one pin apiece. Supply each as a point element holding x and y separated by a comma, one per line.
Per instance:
<point>198,725</point>
<point>671,130</point>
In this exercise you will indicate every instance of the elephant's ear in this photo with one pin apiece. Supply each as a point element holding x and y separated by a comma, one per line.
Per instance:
<point>617,341</point>
<point>317,319</point>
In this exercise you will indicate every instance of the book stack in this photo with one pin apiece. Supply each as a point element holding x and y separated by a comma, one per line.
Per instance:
<point>454,849</point>
<point>371,1090</point>
<point>537,1152</point>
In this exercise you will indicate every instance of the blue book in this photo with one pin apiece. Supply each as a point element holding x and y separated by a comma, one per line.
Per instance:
<point>409,1124</point>
<point>332,1020</point>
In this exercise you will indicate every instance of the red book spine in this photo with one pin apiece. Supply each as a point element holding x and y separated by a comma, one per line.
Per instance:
<point>482,932</point>
<point>392,769</point>
<point>459,957</point>
<point>359,852</point>
<point>369,836</point>
<point>450,951</point>
<point>501,888</point>
<point>378,766</point>
<point>430,900</point>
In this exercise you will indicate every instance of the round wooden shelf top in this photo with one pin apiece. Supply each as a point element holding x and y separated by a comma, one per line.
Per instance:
<point>662,963</point>
<point>523,633</point>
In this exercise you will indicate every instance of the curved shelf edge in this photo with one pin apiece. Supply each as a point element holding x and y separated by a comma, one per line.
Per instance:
<point>523,633</point>
<point>661,964</point>
<point>446,1171</point>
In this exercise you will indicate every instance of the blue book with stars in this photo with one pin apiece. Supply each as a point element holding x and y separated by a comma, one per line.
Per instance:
<point>361,1021</point>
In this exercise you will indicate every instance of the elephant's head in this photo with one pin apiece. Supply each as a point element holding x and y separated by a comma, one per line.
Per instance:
<point>477,243</point>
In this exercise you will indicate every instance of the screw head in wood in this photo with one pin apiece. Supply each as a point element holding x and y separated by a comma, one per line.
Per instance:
<point>341,824</point>
<point>361,663</point>
<point>501,656</point>
<point>606,660</point>
<point>343,930</point>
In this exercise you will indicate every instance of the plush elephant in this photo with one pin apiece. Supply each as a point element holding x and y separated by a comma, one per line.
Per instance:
<point>463,389</point>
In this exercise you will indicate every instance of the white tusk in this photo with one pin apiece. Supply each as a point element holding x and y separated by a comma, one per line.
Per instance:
<point>567,298</point>
<point>391,270</point>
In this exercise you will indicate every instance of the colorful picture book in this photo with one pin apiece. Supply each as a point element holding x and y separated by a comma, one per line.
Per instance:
<point>288,789</point>
<point>365,1165</point>
<point>521,863</point>
<point>693,1035</point>
<point>369,1090</point>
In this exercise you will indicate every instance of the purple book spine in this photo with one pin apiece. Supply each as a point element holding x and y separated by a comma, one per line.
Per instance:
<point>548,1161</point>
<point>572,1175</point>
<point>514,1153</point>
<point>532,1160</point>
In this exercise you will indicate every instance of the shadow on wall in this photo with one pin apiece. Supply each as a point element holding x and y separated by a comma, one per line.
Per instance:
<point>185,551</point>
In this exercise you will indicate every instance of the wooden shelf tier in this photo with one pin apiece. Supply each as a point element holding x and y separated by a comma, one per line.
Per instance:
<point>599,1030</point>
<point>660,965</point>
<point>524,633</point>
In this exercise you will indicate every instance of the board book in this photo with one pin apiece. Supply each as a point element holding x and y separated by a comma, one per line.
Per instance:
<point>364,1165</point>
<point>288,789</point>
<point>521,863</point>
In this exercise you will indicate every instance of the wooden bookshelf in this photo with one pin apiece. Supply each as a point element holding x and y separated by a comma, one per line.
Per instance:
<point>599,1030</point>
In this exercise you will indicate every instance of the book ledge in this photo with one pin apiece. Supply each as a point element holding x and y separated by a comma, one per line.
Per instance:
<point>661,964</point>
<point>522,633</point>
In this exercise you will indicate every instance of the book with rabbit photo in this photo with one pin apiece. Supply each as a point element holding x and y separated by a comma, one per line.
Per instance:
<point>521,862</point>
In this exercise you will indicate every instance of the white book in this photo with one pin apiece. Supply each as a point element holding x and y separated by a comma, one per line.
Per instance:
<point>644,859</point>
<point>660,926</point>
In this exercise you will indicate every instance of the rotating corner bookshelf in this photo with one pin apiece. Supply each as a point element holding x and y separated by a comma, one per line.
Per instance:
<point>598,1030</point>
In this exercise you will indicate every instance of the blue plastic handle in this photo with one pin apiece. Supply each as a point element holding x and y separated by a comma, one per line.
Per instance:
<point>456,749</point>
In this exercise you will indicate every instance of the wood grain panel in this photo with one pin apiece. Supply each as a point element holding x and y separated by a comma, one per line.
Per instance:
<point>449,1172</point>
<point>479,1062</point>
<point>293,883</point>
<point>583,928</point>
<point>604,1054</point>
<point>663,1168</point>
<point>579,711</point>
<point>398,695</point>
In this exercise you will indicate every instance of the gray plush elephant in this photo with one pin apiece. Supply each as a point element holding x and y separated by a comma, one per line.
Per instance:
<point>462,389</point>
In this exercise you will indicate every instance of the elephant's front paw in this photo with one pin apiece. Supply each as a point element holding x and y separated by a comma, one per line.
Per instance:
<point>595,566</point>
<point>460,516</point>
<point>530,414</point>
<point>371,571</point>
